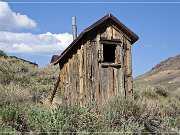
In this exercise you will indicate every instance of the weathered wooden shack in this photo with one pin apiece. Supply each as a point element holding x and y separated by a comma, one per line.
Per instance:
<point>98,63</point>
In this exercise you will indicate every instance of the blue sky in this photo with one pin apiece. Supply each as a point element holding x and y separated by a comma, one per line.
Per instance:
<point>49,26</point>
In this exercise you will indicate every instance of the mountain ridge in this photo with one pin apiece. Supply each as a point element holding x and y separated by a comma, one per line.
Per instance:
<point>166,74</point>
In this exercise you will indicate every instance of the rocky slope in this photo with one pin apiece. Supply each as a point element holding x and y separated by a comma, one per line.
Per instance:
<point>166,74</point>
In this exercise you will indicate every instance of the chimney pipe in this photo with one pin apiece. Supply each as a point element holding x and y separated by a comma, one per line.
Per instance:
<point>74,28</point>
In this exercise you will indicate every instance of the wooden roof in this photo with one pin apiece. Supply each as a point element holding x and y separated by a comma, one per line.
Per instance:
<point>121,26</point>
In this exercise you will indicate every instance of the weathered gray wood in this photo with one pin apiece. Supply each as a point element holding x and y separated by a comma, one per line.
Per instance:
<point>77,77</point>
<point>122,69</point>
<point>63,84</point>
<point>88,79</point>
<point>85,74</point>
<point>116,33</point>
<point>118,54</point>
<point>74,81</point>
<point>105,82</point>
<point>81,75</point>
<point>129,71</point>
<point>110,65</point>
<point>111,84</point>
<point>128,58</point>
<point>116,81</point>
<point>109,32</point>
<point>98,52</point>
<point>70,81</point>
<point>96,72</point>
<point>85,77</point>
<point>121,33</point>
<point>92,76</point>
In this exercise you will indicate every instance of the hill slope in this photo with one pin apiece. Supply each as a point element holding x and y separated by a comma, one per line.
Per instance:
<point>23,109</point>
<point>23,82</point>
<point>166,74</point>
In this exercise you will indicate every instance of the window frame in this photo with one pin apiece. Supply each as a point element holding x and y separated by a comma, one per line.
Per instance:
<point>115,42</point>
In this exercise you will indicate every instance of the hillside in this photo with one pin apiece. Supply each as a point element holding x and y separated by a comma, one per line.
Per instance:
<point>25,82</point>
<point>25,89</point>
<point>165,74</point>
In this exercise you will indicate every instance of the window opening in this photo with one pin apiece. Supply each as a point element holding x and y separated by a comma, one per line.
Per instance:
<point>109,53</point>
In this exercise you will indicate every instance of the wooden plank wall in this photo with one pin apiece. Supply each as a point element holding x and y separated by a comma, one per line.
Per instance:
<point>84,79</point>
<point>128,69</point>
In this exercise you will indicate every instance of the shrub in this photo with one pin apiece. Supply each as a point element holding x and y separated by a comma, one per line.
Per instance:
<point>145,91</point>
<point>123,115</point>
<point>10,113</point>
<point>20,83</point>
<point>64,119</point>
<point>3,54</point>
<point>13,93</point>
<point>161,91</point>
<point>7,130</point>
<point>39,119</point>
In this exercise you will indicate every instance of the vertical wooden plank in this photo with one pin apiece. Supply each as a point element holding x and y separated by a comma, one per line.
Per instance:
<point>60,86</point>
<point>74,80</point>
<point>109,32</point>
<point>92,75</point>
<point>121,81</point>
<point>70,82</point>
<point>128,70</point>
<point>63,84</point>
<point>129,92</point>
<point>116,81</point>
<point>116,34</point>
<point>85,74</point>
<point>66,84</point>
<point>122,70</point>
<point>81,76</point>
<point>95,72</point>
<point>88,72</point>
<point>77,77</point>
<point>89,89</point>
<point>105,82</point>
<point>125,66</point>
<point>128,58</point>
<point>118,54</point>
<point>111,83</point>
<point>101,53</point>
<point>98,65</point>
<point>98,48</point>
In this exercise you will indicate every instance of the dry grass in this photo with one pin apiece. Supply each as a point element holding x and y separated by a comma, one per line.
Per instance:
<point>153,110</point>
<point>21,81</point>
<point>13,93</point>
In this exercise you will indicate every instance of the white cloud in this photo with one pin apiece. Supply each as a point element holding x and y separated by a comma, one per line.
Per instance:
<point>31,44</point>
<point>28,43</point>
<point>11,20</point>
